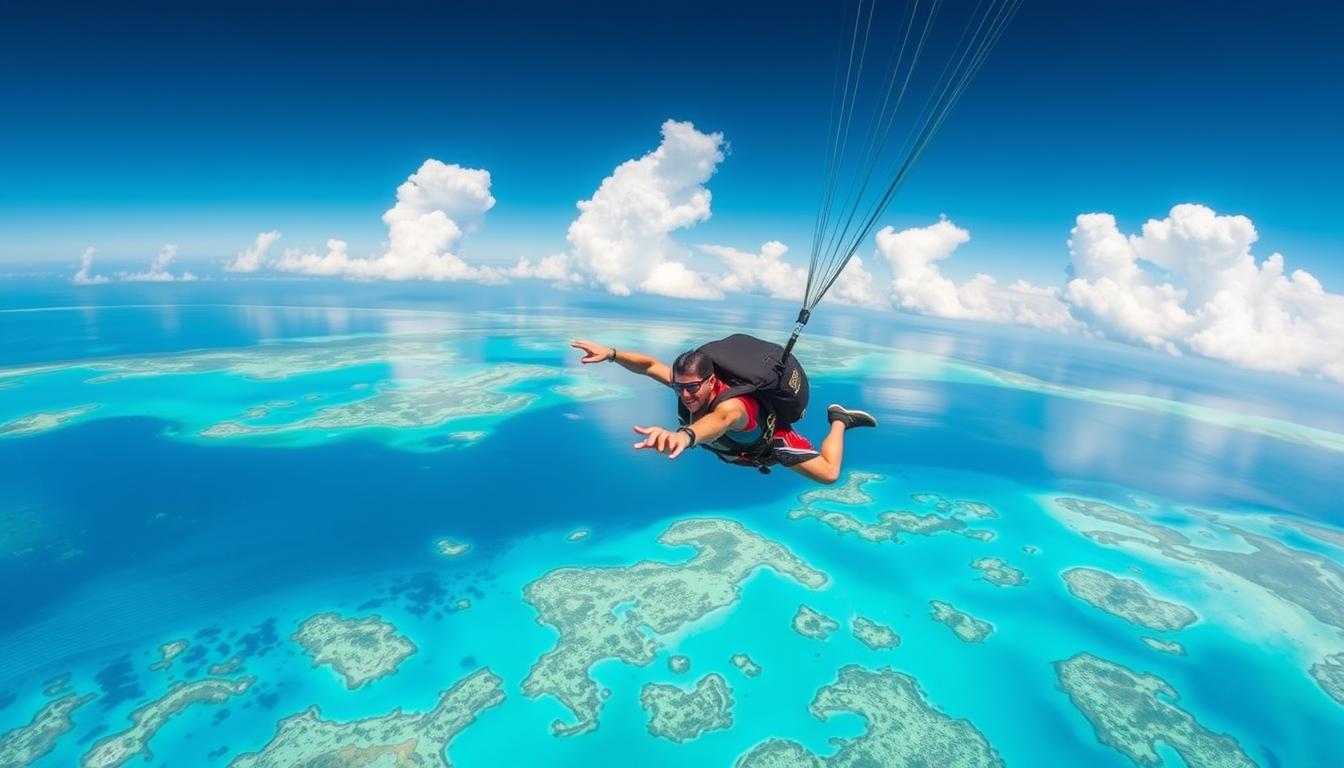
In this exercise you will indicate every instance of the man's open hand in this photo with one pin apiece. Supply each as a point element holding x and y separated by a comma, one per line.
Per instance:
<point>593,352</point>
<point>663,441</point>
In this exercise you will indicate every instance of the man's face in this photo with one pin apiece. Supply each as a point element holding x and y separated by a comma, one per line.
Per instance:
<point>694,392</point>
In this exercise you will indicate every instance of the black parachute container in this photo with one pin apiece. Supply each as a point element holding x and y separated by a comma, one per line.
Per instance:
<point>752,366</point>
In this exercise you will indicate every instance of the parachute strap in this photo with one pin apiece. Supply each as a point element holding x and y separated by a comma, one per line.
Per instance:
<point>755,452</point>
<point>804,315</point>
<point>743,454</point>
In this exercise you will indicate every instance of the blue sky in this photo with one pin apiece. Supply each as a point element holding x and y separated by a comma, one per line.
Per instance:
<point>129,127</point>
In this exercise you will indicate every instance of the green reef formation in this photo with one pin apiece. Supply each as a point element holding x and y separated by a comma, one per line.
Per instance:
<point>1329,674</point>
<point>447,387</point>
<point>680,715</point>
<point>744,663</point>
<point>963,625</point>
<point>998,572</point>
<point>1321,533</point>
<point>57,686</point>
<point>168,652</point>
<point>960,507</point>
<point>42,421</point>
<point>1124,709</point>
<point>360,650</point>
<point>588,390</point>
<point>902,728</point>
<point>226,667</point>
<point>450,548</point>
<point>395,740</point>
<point>119,748</point>
<point>23,746</point>
<point>853,492</point>
<point>1165,646</point>
<point>426,405</point>
<point>1127,599</point>
<point>603,613</point>
<point>281,360</point>
<point>810,623</point>
<point>1298,577</point>
<point>678,664</point>
<point>876,636</point>
<point>947,516</point>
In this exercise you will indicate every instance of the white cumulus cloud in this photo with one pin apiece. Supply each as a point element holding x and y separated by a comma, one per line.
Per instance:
<point>1189,283</point>
<point>158,269</point>
<point>1111,293</point>
<point>82,277</point>
<point>767,273</point>
<point>336,261</point>
<point>621,239</point>
<point>857,286</point>
<point>918,284</point>
<point>678,281</point>
<point>764,272</point>
<point>435,206</point>
<point>251,259</point>
<point>554,268</point>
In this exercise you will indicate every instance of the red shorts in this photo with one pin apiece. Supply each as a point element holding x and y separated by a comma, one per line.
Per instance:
<point>789,449</point>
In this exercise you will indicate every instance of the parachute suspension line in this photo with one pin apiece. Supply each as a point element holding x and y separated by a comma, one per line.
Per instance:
<point>821,198</point>
<point>940,105</point>
<point>840,124</point>
<point>834,244</point>
<point>879,133</point>
<point>990,28</point>
<point>825,254</point>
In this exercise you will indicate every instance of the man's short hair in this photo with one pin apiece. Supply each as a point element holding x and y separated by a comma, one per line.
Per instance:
<point>693,363</point>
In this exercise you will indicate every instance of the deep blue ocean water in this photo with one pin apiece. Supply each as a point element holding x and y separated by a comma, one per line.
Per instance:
<point>124,528</point>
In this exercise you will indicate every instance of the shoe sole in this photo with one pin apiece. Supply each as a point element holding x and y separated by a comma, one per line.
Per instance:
<point>853,412</point>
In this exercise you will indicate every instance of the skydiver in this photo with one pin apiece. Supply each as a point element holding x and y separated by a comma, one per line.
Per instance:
<point>733,423</point>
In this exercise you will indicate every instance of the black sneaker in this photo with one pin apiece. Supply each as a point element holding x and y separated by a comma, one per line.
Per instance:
<point>850,417</point>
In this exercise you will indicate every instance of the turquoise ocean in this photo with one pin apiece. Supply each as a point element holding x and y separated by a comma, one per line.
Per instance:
<point>218,462</point>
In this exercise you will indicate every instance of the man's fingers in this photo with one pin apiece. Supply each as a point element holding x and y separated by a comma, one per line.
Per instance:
<point>660,440</point>
<point>590,353</point>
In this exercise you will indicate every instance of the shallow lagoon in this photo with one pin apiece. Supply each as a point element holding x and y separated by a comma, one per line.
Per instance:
<point>368,423</point>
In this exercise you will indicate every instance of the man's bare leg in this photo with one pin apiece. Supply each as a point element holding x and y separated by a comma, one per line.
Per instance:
<point>826,467</point>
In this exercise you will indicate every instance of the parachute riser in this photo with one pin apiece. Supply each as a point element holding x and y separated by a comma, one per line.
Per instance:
<point>804,315</point>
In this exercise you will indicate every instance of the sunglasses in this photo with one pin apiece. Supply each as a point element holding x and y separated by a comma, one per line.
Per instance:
<point>689,387</point>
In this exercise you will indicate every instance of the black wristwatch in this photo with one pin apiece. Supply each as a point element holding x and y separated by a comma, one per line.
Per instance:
<point>689,433</point>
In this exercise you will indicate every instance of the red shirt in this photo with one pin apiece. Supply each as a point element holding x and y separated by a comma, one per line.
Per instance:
<point>753,408</point>
<point>749,404</point>
<point>788,447</point>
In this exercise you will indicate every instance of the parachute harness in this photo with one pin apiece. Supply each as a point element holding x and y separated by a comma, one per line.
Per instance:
<point>753,454</point>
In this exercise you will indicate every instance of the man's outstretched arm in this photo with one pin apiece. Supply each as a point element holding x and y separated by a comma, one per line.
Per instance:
<point>630,361</point>
<point>727,415</point>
